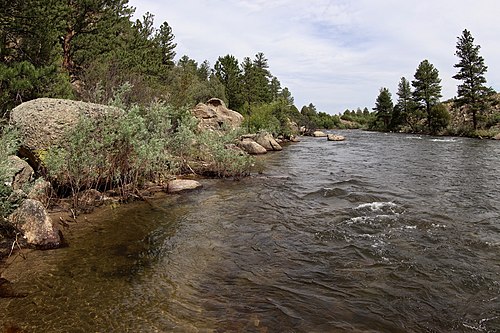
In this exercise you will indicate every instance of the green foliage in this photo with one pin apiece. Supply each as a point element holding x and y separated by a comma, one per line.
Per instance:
<point>212,156</point>
<point>262,118</point>
<point>9,142</point>
<point>115,150</point>
<point>440,118</point>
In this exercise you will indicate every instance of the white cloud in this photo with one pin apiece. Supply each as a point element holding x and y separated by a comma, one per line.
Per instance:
<point>335,53</point>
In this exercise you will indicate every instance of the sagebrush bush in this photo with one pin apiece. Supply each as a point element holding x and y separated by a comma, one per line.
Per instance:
<point>143,144</point>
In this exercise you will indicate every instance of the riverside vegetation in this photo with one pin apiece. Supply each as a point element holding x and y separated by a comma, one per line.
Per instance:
<point>94,51</point>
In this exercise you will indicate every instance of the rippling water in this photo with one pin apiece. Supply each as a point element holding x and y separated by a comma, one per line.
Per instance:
<point>379,233</point>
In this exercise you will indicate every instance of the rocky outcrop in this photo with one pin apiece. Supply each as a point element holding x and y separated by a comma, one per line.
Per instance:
<point>318,134</point>
<point>32,219</point>
<point>267,141</point>
<point>43,122</point>
<point>333,137</point>
<point>214,115</point>
<point>251,147</point>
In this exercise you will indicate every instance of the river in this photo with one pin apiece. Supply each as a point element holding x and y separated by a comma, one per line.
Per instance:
<point>378,233</point>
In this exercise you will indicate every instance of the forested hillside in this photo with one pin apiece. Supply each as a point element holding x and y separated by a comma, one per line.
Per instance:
<point>88,49</point>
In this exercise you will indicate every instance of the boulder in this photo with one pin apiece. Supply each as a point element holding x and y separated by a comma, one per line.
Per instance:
<point>32,219</point>
<point>180,185</point>
<point>214,115</point>
<point>267,141</point>
<point>251,147</point>
<point>497,137</point>
<point>333,137</point>
<point>41,191</point>
<point>43,122</point>
<point>20,173</point>
<point>89,199</point>
<point>318,134</point>
<point>294,138</point>
<point>235,148</point>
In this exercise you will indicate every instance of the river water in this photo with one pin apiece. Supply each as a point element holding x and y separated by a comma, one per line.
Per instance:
<point>379,233</point>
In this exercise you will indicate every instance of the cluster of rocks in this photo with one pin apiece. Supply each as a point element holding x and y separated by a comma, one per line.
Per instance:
<point>330,137</point>
<point>260,143</point>
<point>31,196</point>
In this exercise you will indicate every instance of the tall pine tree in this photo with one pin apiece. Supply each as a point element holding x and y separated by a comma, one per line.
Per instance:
<point>384,107</point>
<point>427,86</point>
<point>472,92</point>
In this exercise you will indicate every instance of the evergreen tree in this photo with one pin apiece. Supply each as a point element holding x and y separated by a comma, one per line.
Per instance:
<point>384,107</point>
<point>472,92</point>
<point>427,86</point>
<point>228,73</point>
<point>406,105</point>
<point>165,40</point>
<point>287,96</point>
<point>275,88</point>
<point>83,19</point>
<point>261,78</point>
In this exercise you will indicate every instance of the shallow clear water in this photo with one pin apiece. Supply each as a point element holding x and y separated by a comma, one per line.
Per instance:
<point>379,233</point>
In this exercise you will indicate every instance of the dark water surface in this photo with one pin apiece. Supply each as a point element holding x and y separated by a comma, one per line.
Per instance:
<point>380,233</point>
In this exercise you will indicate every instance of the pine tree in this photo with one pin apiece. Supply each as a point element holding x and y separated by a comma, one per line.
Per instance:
<point>427,86</point>
<point>384,107</point>
<point>261,79</point>
<point>471,69</point>
<point>405,104</point>
<point>165,39</point>
<point>228,72</point>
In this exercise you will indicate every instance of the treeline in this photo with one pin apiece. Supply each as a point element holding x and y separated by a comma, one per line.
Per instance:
<point>88,49</point>
<point>418,108</point>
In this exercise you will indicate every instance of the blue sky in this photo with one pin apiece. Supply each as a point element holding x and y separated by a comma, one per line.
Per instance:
<point>335,54</point>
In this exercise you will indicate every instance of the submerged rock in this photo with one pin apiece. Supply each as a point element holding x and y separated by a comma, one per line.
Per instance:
<point>33,220</point>
<point>333,137</point>
<point>180,185</point>
<point>318,134</point>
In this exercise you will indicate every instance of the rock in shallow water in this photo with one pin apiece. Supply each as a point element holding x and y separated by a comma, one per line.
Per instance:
<point>333,137</point>
<point>32,219</point>
<point>179,185</point>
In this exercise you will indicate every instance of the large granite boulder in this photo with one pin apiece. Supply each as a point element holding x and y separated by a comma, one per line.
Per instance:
<point>214,115</point>
<point>43,122</point>
<point>267,141</point>
<point>33,220</point>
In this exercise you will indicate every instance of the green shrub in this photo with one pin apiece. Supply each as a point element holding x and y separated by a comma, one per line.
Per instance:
<point>114,151</point>
<point>9,142</point>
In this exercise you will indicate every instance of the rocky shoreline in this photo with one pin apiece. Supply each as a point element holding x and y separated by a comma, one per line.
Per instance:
<point>39,213</point>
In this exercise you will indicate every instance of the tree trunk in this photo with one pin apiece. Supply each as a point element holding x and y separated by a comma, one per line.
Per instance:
<point>68,63</point>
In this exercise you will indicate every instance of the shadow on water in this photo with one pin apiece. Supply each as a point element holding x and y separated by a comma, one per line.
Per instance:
<point>382,233</point>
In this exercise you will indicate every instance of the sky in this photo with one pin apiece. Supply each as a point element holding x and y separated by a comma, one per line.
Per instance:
<point>336,54</point>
